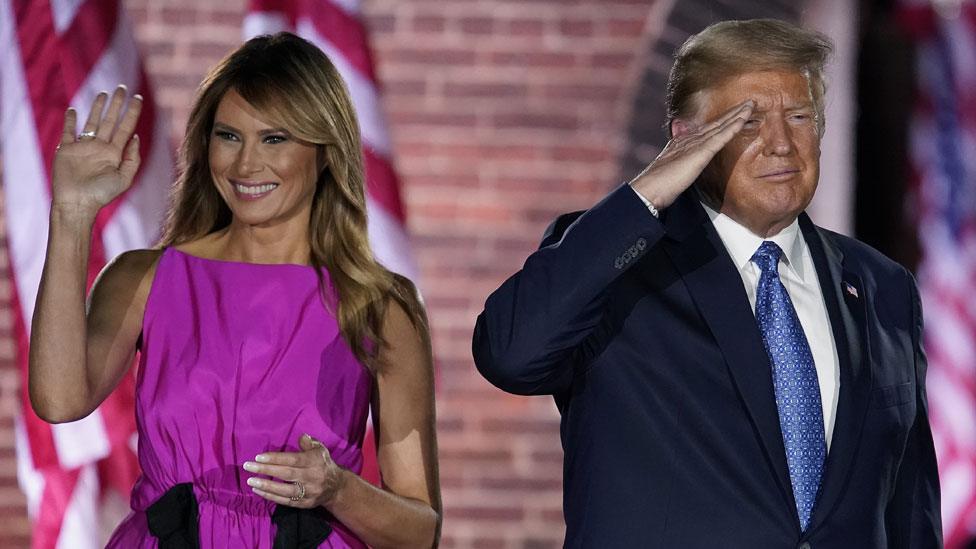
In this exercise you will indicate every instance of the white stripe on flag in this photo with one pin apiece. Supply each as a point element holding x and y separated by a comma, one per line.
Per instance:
<point>82,441</point>
<point>119,64</point>
<point>390,242</point>
<point>30,481</point>
<point>27,203</point>
<point>349,6</point>
<point>79,527</point>
<point>63,12</point>
<point>361,89</point>
<point>264,22</point>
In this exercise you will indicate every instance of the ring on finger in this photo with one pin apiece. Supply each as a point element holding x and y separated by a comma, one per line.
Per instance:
<point>88,134</point>
<point>301,491</point>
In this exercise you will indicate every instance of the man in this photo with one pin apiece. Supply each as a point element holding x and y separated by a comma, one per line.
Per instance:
<point>728,373</point>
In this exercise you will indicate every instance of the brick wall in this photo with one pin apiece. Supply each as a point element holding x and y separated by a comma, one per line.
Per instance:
<point>503,114</point>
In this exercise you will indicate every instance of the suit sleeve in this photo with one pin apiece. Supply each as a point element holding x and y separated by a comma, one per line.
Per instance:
<point>913,518</point>
<point>525,337</point>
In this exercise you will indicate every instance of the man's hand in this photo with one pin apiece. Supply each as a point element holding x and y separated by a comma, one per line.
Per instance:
<point>686,155</point>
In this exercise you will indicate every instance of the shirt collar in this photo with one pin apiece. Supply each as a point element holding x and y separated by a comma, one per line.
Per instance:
<point>742,243</point>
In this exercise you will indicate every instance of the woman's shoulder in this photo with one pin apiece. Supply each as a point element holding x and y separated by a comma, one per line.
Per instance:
<point>135,264</point>
<point>131,271</point>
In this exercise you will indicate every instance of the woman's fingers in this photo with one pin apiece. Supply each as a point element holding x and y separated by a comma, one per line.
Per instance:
<point>129,121</point>
<point>107,125</point>
<point>95,114</point>
<point>130,161</point>
<point>68,132</point>
<point>283,500</point>
<point>285,472</point>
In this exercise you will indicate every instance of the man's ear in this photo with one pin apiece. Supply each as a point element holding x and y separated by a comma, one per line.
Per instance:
<point>681,127</point>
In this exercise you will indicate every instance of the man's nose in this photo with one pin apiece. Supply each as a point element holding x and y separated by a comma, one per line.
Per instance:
<point>777,138</point>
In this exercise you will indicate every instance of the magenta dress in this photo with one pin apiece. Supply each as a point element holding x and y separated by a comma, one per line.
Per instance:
<point>237,359</point>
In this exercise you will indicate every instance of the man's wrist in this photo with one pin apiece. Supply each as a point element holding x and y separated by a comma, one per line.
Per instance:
<point>650,206</point>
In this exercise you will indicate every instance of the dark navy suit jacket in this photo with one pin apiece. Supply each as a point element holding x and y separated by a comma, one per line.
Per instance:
<point>642,331</point>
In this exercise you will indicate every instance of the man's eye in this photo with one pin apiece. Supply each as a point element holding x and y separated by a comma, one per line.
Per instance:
<point>800,117</point>
<point>751,124</point>
<point>274,139</point>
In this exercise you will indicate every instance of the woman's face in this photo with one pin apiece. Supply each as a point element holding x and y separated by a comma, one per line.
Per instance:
<point>265,175</point>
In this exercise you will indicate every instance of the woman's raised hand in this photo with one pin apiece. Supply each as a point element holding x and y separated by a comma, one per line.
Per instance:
<point>93,168</point>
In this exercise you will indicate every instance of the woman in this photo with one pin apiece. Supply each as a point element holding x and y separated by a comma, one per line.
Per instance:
<point>265,327</point>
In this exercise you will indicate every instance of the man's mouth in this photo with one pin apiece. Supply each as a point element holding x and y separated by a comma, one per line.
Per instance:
<point>780,174</point>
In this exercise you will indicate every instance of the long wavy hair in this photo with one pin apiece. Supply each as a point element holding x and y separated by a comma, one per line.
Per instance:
<point>295,83</point>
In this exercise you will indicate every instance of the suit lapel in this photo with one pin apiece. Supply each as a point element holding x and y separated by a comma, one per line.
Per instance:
<point>845,299</point>
<point>716,288</point>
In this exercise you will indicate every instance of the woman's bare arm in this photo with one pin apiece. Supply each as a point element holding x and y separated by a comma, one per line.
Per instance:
<point>406,512</point>
<point>78,354</point>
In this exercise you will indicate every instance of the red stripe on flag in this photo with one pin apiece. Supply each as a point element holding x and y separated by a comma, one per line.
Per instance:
<point>41,59</point>
<point>345,32</point>
<point>382,185</point>
<point>85,41</point>
<point>59,485</point>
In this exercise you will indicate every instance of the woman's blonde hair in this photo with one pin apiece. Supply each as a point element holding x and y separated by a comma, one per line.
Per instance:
<point>732,48</point>
<point>295,83</point>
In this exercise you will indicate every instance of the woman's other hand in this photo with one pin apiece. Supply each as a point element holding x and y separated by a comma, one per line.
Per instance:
<point>93,168</point>
<point>309,478</point>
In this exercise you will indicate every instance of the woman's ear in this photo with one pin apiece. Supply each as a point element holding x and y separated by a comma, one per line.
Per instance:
<point>320,159</point>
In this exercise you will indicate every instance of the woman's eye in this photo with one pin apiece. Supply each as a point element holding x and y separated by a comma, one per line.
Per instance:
<point>227,136</point>
<point>274,139</point>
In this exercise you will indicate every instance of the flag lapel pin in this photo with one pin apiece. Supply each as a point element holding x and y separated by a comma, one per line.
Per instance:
<point>849,288</point>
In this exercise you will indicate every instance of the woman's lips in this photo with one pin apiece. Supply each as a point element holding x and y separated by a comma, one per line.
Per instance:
<point>252,191</point>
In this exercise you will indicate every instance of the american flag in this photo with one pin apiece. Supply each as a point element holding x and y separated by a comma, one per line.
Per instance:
<point>943,160</point>
<point>336,27</point>
<point>53,55</point>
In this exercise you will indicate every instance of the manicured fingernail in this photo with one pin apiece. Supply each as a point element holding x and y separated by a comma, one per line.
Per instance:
<point>307,436</point>
<point>253,482</point>
<point>251,466</point>
<point>137,96</point>
<point>261,458</point>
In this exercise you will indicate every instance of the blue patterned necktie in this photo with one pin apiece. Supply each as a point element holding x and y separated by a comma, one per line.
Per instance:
<point>794,381</point>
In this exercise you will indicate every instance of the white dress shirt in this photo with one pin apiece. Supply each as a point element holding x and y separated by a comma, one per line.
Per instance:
<point>799,276</point>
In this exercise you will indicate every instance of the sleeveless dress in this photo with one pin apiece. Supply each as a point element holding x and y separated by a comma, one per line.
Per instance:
<point>237,359</point>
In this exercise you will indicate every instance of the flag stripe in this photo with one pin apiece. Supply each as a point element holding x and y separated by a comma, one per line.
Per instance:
<point>86,41</point>
<point>943,180</point>
<point>43,72</point>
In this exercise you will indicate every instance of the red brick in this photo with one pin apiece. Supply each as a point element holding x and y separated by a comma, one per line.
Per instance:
<point>484,90</point>
<point>476,25</point>
<point>576,27</point>
<point>428,23</point>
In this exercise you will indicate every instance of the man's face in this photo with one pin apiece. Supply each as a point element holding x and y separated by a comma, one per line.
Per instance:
<point>767,174</point>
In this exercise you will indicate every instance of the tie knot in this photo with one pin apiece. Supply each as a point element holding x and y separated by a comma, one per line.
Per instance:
<point>767,256</point>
